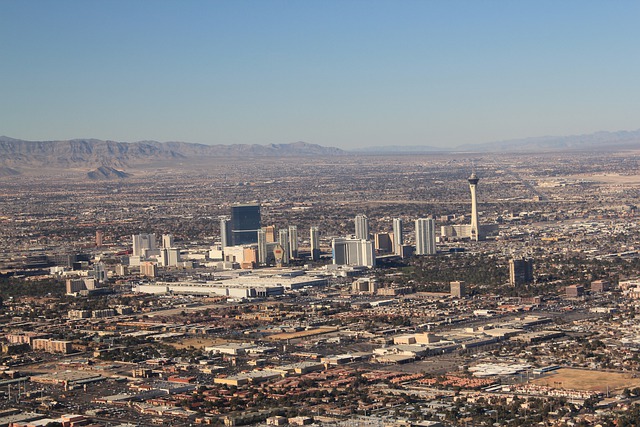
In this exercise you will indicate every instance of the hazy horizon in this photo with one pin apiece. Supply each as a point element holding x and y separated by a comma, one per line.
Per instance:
<point>363,148</point>
<point>339,74</point>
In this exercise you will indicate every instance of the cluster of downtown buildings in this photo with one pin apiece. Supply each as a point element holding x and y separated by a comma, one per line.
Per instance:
<point>245,243</point>
<point>263,246</point>
<point>268,246</point>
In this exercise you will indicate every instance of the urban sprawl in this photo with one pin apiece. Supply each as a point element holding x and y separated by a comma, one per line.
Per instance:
<point>417,290</point>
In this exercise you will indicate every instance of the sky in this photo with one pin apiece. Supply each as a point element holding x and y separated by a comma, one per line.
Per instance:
<point>341,73</point>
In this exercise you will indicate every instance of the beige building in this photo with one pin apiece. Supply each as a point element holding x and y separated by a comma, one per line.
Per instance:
<point>365,284</point>
<point>25,338</point>
<point>249,257</point>
<point>51,346</point>
<point>574,291</point>
<point>600,286</point>
<point>79,314</point>
<point>277,421</point>
<point>270,230</point>
<point>148,269</point>
<point>400,290</point>
<point>458,289</point>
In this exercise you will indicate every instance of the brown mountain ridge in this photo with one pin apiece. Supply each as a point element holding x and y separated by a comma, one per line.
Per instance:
<point>17,154</point>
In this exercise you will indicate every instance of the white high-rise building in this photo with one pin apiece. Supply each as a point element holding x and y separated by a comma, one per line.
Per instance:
<point>283,240</point>
<point>169,257</point>
<point>425,236</point>
<point>163,258</point>
<point>262,246</point>
<point>167,241</point>
<point>355,252</point>
<point>475,231</point>
<point>174,256</point>
<point>293,241</point>
<point>398,238</point>
<point>142,243</point>
<point>362,227</point>
<point>314,240</point>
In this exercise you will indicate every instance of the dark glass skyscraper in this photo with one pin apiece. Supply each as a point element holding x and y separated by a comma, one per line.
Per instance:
<point>245,223</point>
<point>520,271</point>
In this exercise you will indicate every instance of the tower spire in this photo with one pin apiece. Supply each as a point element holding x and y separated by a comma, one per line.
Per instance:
<point>473,182</point>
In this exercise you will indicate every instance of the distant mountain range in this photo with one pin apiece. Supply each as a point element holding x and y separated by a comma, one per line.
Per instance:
<point>599,141</point>
<point>110,159</point>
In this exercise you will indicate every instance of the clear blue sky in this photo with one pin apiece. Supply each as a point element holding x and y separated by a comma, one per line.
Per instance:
<point>345,73</point>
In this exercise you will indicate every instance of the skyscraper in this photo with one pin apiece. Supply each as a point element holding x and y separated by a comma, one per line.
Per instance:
<point>425,236</point>
<point>474,232</point>
<point>283,240</point>
<point>362,227</point>
<point>99,235</point>
<point>356,252</point>
<point>314,240</point>
<point>262,247</point>
<point>167,241</point>
<point>245,223</point>
<point>383,242</point>
<point>398,239</point>
<point>169,257</point>
<point>225,232</point>
<point>142,242</point>
<point>293,241</point>
<point>520,271</point>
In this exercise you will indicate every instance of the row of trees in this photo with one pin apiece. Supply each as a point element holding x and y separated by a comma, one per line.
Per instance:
<point>17,287</point>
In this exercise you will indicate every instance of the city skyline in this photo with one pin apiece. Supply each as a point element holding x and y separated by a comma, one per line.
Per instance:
<point>348,75</point>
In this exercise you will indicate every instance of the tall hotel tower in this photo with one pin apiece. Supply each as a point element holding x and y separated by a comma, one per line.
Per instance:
<point>262,246</point>
<point>293,241</point>
<point>362,227</point>
<point>398,239</point>
<point>167,241</point>
<point>358,252</point>
<point>141,242</point>
<point>315,243</point>
<point>474,232</point>
<point>225,231</point>
<point>283,240</point>
<point>245,223</point>
<point>425,236</point>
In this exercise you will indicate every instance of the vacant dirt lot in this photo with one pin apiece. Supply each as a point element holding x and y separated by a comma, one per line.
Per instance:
<point>583,379</point>
<point>612,178</point>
